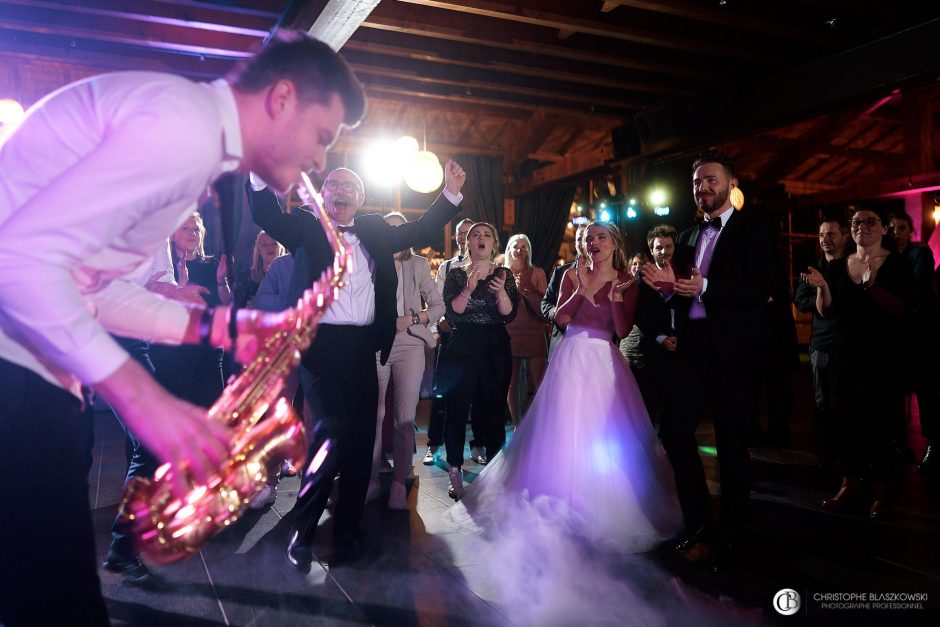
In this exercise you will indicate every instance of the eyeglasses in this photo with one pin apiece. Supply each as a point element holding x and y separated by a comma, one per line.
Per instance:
<point>868,223</point>
<point>348,186</point>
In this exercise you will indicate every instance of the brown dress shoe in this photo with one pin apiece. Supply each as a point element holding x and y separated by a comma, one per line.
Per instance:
<point>699,553</point>
<point>848,496</point>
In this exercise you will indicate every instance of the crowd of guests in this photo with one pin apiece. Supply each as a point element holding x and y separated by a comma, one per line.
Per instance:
<point>485,317</point>
<point>129,267</point>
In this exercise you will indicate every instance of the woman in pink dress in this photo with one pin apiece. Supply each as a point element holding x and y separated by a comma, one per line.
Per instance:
<point>527,330</point>
<point>586,457</point>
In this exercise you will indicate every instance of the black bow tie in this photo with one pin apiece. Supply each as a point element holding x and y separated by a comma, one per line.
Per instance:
<point>714,223</point>
<point>347,229</point>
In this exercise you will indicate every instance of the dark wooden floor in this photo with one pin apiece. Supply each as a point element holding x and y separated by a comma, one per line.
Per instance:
<point>427,572</point>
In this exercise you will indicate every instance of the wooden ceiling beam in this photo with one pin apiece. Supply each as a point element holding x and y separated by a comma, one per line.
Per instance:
<point>875,188</point>
<point>534,70</point>
<point>90,37</point>
<point>198,16</point>
<point>592,120</point>
<point>359,143</point>
<point>339,19</point>
<point>536,131</point>
<point>572,166</point>
<point>575,135</point>
<point>596,28</point>
<point>490,35</point>
<point>724,17</point>
<point>585,100</point>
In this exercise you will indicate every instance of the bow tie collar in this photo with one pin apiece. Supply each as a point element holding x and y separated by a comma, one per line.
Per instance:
<point>712,224</point>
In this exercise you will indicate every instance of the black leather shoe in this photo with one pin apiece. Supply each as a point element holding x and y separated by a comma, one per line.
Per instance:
<point>131,569</point>
<point>300,556</point>
<point>930,463</point>
<point>690,538</point>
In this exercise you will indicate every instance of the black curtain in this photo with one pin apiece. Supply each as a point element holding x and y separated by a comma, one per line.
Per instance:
<point>483,191</point>
<point>543,215</point>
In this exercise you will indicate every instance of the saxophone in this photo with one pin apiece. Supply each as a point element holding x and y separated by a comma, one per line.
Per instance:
<point>167,528</point>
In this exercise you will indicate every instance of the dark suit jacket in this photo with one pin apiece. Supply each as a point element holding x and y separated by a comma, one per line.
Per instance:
<point>550,300</point>
<point>653,318</point>
<point>740,282</point>
<point>301,234</point>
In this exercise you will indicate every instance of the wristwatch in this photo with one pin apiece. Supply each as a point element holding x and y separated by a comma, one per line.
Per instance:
<point>415,318</point>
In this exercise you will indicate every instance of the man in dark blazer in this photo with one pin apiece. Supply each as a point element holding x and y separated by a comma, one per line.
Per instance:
<point>338,371</point>
<point>719,284</point>
<point>650,347</point>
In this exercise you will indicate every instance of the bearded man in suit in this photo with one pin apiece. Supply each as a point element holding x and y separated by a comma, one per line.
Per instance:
<point>719,285</point>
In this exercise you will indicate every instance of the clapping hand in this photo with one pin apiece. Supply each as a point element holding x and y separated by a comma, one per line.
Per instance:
<point>814,277</point>
<point>473,277</point>
<point>692,286</point>
<point>660,279</point>
<point>618,290</point>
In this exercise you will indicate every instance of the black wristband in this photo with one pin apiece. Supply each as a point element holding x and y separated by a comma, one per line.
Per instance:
<point>205,326</point>
<point>233,324</point>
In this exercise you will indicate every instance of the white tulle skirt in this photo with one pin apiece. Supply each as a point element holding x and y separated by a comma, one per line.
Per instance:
<point>585,461</point>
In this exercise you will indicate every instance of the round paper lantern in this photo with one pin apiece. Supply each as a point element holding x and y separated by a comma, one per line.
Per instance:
<point>407,147</point>
<point>11,112</point>
<point>425,173</point>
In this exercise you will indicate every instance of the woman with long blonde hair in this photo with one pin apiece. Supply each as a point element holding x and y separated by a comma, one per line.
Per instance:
<point>265,251</point>
<point>527,330</point>
<point>586,458</point>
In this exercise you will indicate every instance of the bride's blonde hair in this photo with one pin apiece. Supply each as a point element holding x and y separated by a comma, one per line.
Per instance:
<point>619,260</point>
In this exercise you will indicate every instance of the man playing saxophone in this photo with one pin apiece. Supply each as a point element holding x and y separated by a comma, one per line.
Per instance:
<point>94,179</point>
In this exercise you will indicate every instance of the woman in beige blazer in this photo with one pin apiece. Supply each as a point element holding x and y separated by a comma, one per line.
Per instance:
<point>405,365</point>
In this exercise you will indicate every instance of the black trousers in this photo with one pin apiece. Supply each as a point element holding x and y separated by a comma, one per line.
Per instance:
<point>823,421</point>
<point>192,373</point>
<point>141,462</point>
<point>478,363</point>
<point>866,427</point>
<point>339,381</point>
<point>732,391</point>
<point>46,523</point>
<point>438,416</point>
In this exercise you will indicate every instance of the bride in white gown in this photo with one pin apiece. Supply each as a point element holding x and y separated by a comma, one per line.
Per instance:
<point>586,461</point>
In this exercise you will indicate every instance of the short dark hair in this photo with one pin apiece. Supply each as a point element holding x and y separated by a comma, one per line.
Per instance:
<point>661,231</point>
<point>843,226</point>
<point>311,65</point>
<point>713,156</point>
<point>900,214</point>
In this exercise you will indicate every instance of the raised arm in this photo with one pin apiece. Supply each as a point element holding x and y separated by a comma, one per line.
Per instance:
<point>286,228</point>
<point>424,230</point>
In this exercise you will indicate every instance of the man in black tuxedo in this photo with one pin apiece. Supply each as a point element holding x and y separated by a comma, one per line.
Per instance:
<point>651,345</point>
<point>338,371</point>
<point>719,284</point>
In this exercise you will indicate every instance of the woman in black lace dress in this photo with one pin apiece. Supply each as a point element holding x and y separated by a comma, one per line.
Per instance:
<point>477,361</point>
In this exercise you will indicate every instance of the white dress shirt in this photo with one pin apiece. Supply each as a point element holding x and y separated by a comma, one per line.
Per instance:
<point>356,302</point>
<point>95,178</point>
